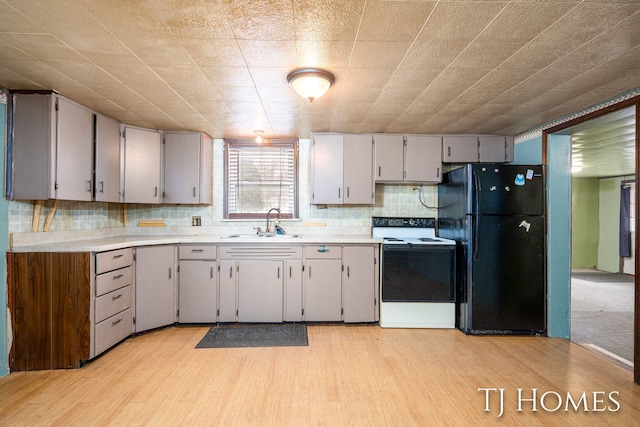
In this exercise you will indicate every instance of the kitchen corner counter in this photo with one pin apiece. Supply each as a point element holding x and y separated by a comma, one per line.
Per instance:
<point>107,243</point>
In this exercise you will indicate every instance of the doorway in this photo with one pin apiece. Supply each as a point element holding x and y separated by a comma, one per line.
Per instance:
<point>603,235</point>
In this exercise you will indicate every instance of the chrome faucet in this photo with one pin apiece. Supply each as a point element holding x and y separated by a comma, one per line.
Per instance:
<point>268,230</point>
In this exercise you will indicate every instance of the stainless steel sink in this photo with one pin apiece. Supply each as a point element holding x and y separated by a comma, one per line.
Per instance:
<point>274,236</point>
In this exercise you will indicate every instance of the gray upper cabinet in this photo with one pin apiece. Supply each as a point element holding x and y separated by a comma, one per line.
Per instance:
<point>495,148</point>
<point>410,158</point>
<point>142,165</point>
<point>460,149</point>
<point>52,148</point>
<point>107,186</point>
<point>389,166</point>
<point>342,169</point>
<point>358,183</point>
<point>188,168</point>
<point>477,148</point>
<point>326,169</point>
<point>423,158</point>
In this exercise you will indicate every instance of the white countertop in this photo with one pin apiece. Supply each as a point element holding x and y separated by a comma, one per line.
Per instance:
<point>107,243</point>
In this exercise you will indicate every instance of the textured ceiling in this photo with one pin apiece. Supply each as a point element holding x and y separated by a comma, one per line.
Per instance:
<point>416,66</point>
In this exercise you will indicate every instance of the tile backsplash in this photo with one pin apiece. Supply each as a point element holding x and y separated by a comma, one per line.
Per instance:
<point>391,200</point>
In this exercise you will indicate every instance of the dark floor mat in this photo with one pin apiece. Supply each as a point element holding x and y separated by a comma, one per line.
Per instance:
<point>227,336</point>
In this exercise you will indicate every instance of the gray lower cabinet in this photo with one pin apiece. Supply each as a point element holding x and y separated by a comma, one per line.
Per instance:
<point>228,301</point>
<point>260,290</point>
<point>359,290</point>
<point>155,287</point>
<point>323,283</point>
<point>113,302</point>
<point>293,291</point>
<point>197,284</point>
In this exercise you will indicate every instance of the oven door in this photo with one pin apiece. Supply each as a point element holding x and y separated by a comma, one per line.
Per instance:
<point>418,273</point>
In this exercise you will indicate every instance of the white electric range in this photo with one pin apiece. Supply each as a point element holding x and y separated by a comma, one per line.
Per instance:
<point>418,274</point>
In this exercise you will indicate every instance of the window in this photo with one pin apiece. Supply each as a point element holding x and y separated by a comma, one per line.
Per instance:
<point>259,177</point>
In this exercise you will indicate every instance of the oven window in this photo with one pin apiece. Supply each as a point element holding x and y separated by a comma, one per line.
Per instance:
<point>418,273</point>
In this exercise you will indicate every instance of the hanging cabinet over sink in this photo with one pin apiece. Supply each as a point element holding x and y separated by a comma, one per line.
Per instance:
<point>342,169</point>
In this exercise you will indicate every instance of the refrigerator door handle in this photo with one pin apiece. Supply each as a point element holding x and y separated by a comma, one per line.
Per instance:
<point>476,196</point>
<point>475,226</point>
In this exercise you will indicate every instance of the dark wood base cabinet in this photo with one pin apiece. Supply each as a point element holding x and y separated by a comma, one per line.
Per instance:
<point>49,299</point>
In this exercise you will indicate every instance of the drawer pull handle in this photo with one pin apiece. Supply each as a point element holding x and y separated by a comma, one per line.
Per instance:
<point>118,256</point>
<point>197,250</point>
<point>118,276</point>
<point>323,249</point>
<point>114,323</point>
<point>116,297</point>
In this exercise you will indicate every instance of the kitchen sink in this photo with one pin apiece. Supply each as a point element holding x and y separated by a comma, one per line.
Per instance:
<point>273,236</point>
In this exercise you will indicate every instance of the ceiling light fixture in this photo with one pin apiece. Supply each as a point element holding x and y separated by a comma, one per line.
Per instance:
<point>310,83</point>
<point>258,136</point>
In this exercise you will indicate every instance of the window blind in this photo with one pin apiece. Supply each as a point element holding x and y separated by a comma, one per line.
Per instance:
<point>261,177</point>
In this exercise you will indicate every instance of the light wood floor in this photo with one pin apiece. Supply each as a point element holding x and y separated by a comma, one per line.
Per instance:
<point>348,375</point>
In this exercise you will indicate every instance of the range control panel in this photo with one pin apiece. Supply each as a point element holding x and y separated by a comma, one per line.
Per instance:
<point>378,221</point>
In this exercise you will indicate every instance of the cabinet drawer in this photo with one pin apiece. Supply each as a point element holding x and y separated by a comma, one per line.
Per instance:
<point>113,330</point>
<point>114,302</point>
<point>323,251</point>
<point>197,252</point>
<point>113,280</point>
<point>112,260</point>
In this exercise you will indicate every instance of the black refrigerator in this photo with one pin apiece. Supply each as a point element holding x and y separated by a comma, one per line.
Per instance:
<point>496,214</point>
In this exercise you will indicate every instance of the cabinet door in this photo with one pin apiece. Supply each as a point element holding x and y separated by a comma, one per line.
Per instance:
<point>228,292</point>
<point>358,169</point>
<point>182,167</point>
<point>260,288</point>
<point>327,164</point>
<point>74,166</point>
<point>358,284</point>
<point>198,291</point>
<point>423,158</point>
<point>142,165</point>
<point>493,148</point>
<point>323,290</point>
<point>107,160</point>
<point>389,164</point>
<point>155,287</point>
<point>460,148</point>
<point>293,291</point>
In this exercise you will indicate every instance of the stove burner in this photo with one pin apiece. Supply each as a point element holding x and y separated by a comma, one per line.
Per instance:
<point>392,239</point>
<point>428,239</point>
